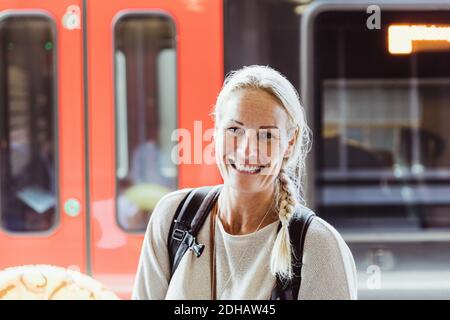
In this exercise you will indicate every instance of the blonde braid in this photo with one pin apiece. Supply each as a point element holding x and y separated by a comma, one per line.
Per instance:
<point>280,261</point>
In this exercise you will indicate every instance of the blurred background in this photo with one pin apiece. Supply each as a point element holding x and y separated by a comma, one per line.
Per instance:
<point>92,91</point>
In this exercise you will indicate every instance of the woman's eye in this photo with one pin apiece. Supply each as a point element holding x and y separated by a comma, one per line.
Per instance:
<point>235,130</point>
<point>266,135</point>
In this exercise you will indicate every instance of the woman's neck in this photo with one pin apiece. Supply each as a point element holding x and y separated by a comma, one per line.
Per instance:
<point>242,212</point>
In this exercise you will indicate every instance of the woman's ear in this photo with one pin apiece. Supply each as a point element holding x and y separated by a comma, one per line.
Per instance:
<point>288,152</point>
<point>292,136</point>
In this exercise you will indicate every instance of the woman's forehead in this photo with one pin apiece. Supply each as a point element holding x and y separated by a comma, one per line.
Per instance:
<point>253,108</point>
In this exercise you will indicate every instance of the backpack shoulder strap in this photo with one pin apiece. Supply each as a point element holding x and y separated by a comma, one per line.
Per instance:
<point>189,218</point>
<point>288,289</point>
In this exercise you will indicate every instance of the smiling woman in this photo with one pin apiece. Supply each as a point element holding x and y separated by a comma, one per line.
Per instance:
<point>258,224</point>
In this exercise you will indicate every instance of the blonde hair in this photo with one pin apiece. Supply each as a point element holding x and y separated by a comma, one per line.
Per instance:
<point>289,185</point>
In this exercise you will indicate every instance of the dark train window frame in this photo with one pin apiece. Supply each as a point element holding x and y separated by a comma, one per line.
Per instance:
<point>56,222</point>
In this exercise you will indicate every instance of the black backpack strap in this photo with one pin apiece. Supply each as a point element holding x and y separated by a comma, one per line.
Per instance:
<point>288,289</point>
<point>189,218</point>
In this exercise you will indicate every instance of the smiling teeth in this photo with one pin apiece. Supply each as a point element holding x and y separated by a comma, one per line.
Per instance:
<point>246,168</point>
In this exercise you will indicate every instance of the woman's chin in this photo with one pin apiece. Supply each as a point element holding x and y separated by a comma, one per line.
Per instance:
<point>245,183</point>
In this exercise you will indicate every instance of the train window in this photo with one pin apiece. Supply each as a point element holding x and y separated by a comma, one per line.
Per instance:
<point>384,153</point>
<point>28,157</point>
<point>146,115</point>
<point>384,156</point>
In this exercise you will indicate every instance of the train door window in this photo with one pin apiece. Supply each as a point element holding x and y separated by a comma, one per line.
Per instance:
<point>384,153</point>
<point>28,157</point>
<point>146,115</point>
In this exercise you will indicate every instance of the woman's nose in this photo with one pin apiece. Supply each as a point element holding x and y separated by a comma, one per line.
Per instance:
<point>248,148</point>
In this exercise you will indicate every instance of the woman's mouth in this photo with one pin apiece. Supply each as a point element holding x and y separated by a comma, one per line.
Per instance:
<point>246,169</point>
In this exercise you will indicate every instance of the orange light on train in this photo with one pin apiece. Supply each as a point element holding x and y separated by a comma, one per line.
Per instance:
<point>404,39</point>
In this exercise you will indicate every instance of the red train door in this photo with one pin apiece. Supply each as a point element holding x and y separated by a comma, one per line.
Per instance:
<point>153,66</point>
<point>42,176</point>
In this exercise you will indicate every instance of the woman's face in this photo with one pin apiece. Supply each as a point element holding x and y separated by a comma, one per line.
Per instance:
<point>251,139</point>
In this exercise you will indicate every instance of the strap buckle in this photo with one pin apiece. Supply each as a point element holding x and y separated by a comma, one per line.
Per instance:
<point>178,234</point>
<point>191,241</point>
<point>194,246</point>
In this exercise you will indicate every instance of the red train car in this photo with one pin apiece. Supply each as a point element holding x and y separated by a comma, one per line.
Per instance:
<point>92,89</point>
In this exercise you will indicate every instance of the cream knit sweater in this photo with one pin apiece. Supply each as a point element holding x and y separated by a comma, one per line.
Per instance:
<point>242,262</point>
